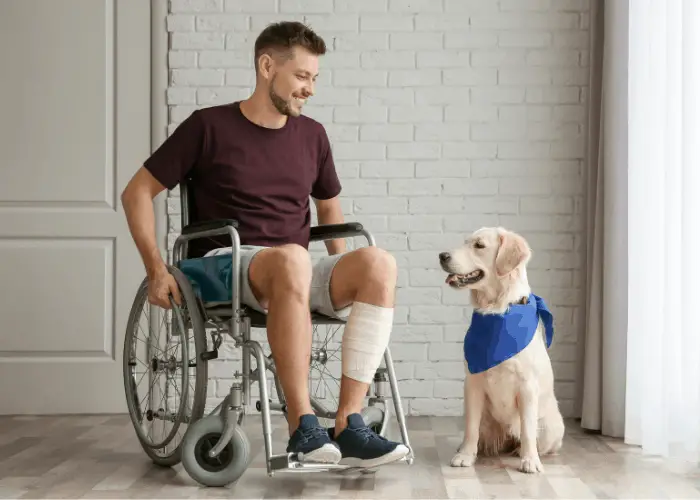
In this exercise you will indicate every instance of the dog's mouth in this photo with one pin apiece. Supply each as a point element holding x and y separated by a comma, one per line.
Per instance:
<point>462,280</point>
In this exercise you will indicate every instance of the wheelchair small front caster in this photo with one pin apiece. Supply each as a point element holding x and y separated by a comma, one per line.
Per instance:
<point>228,466</point>
<point>373,418</point>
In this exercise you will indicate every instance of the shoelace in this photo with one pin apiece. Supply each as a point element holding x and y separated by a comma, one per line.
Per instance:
<point>311,433</point>
<point>368,434</point>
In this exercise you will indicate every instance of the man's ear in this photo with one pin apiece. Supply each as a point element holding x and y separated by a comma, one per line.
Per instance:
<point>512,252</point>
<point>265,63</point>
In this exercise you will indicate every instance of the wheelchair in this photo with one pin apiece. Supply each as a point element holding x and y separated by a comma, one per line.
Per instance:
<point>214,449</point>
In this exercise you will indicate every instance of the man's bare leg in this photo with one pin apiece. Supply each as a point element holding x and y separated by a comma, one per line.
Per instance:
<point>280,278</point>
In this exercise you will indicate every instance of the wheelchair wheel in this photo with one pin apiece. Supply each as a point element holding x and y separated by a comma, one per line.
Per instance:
<point>222,470</point>
<point>162,358</point>
<point>374,419</point>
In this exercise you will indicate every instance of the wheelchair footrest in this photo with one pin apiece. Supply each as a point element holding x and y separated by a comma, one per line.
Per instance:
<point>289,462</point>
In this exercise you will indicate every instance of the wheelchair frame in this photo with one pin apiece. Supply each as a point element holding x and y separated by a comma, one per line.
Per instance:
<point>238,320</point>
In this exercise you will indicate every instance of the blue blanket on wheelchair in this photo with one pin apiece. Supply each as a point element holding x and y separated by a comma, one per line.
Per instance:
<point>210,277</point>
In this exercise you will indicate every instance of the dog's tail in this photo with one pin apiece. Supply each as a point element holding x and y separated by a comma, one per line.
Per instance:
<point>505,445</point>
<point>495,438</point>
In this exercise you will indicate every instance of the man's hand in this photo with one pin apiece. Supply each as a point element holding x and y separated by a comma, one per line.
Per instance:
<point>160,286</point>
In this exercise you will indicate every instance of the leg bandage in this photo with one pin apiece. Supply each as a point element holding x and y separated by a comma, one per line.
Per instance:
<point>365,340</point>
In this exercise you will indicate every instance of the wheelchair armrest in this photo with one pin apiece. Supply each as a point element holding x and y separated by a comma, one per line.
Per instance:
<point>205,229</point>
<point>333,231</point>
<point>208,225</point>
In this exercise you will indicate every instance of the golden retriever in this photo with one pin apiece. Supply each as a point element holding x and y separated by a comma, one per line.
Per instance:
<point>510,405</point>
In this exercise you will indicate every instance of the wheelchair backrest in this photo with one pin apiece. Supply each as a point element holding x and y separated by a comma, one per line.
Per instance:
<point>187,204</point>
<point>188,209</point>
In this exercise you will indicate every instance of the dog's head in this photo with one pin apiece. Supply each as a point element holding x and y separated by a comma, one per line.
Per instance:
<point>487,257</point>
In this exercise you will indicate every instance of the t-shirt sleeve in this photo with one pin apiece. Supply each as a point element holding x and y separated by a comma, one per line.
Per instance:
<point>180,153</point>
<point>327,184</point>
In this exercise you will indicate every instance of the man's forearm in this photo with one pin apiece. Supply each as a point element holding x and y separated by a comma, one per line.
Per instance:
<point>333,217</point>
<point>336,246</point>
<point>138,206</point>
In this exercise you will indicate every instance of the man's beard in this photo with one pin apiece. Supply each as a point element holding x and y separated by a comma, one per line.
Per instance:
<point>279,103</point>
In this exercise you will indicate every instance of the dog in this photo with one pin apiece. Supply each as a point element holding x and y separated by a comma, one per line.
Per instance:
<point>509,400</point>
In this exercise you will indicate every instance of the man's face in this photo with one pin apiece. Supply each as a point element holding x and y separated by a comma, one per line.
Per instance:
<point>291,81</point>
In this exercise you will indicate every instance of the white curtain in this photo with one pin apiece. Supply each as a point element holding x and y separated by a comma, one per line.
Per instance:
<point>662,412</point>
<point>640,356</point>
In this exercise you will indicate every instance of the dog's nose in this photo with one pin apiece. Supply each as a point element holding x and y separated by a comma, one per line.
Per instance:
<point>444,257</point>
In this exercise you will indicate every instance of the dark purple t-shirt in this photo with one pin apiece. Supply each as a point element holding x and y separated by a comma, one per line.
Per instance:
<point>239,170</point>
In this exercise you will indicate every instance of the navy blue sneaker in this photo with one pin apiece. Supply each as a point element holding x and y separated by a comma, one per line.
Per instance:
<point>312,443</point>
<point>362,447</point>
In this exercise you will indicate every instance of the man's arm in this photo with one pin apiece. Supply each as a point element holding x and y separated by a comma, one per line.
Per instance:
<point>167,166</point>
<point>137,199</point>
<point>330,212</point>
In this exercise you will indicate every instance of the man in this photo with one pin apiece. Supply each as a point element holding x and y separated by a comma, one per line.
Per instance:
<point>259,161</point>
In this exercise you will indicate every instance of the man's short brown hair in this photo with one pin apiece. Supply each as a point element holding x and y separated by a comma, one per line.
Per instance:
<point>280,38</point>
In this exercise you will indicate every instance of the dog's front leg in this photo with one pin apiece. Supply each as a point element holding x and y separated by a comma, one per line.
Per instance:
<point>529,458</point>
<point>473,408</point>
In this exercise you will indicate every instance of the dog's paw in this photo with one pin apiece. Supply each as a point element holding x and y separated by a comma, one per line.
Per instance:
<point>463,460</point>
<point>531,465</point>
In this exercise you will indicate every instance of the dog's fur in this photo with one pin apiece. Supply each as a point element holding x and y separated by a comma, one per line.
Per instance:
<point>513,404</point>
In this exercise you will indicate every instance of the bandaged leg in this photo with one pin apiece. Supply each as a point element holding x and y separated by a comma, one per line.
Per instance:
<point>364,343</point>
<point>365,339</point>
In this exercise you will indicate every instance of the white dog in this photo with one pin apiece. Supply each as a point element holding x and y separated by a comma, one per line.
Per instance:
<point>509,399</point>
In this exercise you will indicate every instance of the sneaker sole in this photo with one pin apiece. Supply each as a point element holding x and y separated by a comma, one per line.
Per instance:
<point>326,454</point>
<point>397,453</point>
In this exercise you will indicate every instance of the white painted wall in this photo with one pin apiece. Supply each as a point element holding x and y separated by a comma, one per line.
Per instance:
<point>444,116</point>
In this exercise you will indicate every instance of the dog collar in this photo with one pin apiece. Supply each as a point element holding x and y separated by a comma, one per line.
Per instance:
<point>493,338</point>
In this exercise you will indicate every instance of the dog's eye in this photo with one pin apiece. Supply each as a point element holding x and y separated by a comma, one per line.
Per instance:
<point>479,245</point>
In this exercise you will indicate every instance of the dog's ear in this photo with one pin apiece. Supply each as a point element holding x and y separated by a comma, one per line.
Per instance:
<point>512,251</point>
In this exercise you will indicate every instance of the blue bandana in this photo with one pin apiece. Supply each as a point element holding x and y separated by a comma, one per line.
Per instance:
<point>494,338</point>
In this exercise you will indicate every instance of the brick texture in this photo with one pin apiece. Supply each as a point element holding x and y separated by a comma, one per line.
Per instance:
<point>444,116</point>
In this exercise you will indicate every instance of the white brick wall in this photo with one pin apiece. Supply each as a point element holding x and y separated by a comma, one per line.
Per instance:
<point>458,113</point>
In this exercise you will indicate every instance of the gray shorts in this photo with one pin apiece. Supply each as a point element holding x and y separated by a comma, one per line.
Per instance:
<point>320,298</point>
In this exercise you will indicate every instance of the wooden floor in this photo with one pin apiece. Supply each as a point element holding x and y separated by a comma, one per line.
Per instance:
<point>99,457</point>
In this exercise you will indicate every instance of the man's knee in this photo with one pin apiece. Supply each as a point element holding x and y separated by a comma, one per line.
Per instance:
<point>377,266</point>
<point>283,270</point>
<point>369,273</point>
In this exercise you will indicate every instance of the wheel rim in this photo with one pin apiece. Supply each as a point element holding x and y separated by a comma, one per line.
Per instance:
<point>212,464</point>
<point>161,358</point>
